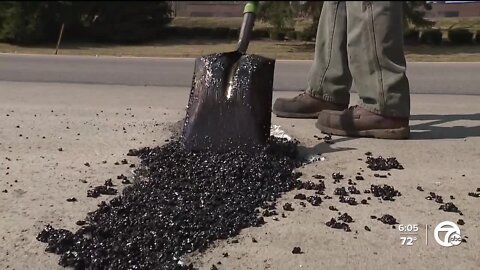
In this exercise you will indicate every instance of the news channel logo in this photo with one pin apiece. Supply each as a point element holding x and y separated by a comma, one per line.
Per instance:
<point>451,234</point>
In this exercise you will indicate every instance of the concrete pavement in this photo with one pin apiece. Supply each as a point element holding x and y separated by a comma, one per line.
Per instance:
<point>87,121</point>
<point>425,78</point>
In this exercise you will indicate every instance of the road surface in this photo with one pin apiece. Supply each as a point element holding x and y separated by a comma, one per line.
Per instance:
<point>99,123</point>
<point>425,78</point>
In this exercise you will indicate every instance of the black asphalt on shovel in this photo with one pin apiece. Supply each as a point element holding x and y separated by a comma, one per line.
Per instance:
<point>231,97</point>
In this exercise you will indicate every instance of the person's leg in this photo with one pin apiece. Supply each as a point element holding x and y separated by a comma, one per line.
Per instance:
<point>377,63</point>
<point>329,78</point>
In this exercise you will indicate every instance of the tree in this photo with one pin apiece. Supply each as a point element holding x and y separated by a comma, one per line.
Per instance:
<point>279,14</point>
<point>29,21</point>
<point>313,10</point>
<point>414,14</point>
<point>40,21</point>
<point>127,21</point>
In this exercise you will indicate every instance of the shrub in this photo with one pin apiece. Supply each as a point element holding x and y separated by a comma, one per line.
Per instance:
<point>277,35</point>
<point>220,32</point>
<point>292,35</point>
<point>431,36</point>
<point>460,36</point>
<point>126,21</point>
<point>199,32</point>
<point>477,37</point>
<point>260,33</point>
<point>411,36</point>
<point>234,33</point>
<point>307,35</point>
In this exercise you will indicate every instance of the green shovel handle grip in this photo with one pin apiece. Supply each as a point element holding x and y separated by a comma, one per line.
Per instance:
<point>251,7</point>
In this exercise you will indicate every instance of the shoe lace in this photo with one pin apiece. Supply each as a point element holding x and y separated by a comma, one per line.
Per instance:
<point>301,95</point>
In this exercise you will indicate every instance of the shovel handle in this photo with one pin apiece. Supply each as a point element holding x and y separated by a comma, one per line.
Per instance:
<point>251,7</point>
<point>249,11</point>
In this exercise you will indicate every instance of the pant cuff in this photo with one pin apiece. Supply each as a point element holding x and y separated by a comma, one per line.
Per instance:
<point>386,113</point>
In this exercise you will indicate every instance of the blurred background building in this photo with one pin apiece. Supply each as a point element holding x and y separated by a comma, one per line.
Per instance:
<point>441,9</point>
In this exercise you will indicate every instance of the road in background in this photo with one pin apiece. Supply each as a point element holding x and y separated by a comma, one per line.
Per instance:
<point>425,78</point>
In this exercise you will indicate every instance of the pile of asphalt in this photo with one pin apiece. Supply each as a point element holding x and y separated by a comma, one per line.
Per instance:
<point>185,201</point>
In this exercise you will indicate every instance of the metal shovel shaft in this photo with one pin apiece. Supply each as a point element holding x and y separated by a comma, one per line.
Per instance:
<point>247,26</point>
<point>246,32</point>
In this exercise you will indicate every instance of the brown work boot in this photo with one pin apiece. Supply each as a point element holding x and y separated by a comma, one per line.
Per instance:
<point>303,106</point>
<point>359,122</point>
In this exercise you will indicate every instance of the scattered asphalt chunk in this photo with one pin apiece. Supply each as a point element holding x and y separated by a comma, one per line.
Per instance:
<point>288,207</point>
<point>133,152</point>
<point>353,190</point>
<point>388,219</point>
<point>367,229</point>
<point>108,183</point>
<point>461,222</point>
<point>328,139</point>
<point>121,176</point>
<point>73,199</point>
<point>297,250</point>
<point>473,194</point>
<point>81,222</point>
<point>87,164</point>
<point>337,176</point>
<point>268,213</point>
<point>318,176</point>
<point>314,200</point>
<point>382,164</point>
<point>449,207</point>
<point>300,197</point>
<point>386,192</point>
<point>340,191</point>
<point>346,218</point>
<point>101,190</point>
<point>419,188</point>
<point>338,225</point>
<point>126,182</point>
<point>359,178</point>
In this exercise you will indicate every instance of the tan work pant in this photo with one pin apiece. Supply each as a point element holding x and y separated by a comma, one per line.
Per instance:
<point>361,41</point>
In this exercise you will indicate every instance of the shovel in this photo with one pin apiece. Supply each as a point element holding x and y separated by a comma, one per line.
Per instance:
<point>231,97</point>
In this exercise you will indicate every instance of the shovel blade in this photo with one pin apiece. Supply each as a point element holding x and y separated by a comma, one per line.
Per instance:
<point>230,102</point>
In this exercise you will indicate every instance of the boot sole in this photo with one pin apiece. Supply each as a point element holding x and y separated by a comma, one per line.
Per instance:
<point>391,134</point>
<point>297,115</point>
